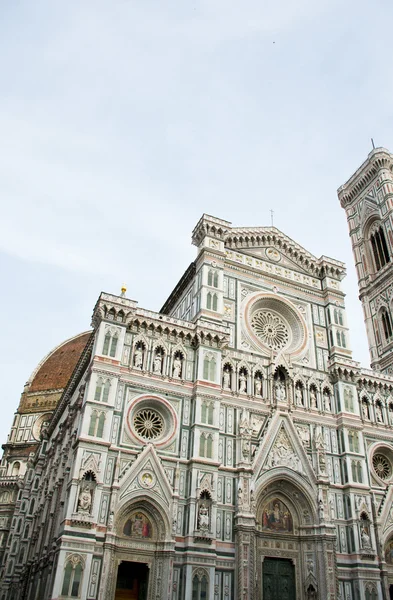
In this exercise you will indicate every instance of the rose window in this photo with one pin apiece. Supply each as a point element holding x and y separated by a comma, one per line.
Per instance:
<point>382,466</point>
<point>270,328</point>
<point>148,424</point>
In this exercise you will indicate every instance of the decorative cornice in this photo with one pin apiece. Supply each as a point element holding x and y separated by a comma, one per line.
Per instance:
<point>379,158</point>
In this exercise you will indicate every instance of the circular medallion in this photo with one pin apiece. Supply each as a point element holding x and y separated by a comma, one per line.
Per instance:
<point>147,479</point>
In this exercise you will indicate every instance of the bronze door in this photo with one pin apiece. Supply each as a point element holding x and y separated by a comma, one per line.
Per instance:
<point>278,579</point>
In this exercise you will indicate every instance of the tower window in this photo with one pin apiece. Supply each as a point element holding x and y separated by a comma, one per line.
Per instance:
<point>386,324</point>
<point>379,248</point>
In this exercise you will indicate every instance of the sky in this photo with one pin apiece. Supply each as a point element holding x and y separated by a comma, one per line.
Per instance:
<point>122,121</point>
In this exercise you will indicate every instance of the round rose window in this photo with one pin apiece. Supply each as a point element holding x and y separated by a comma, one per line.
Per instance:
<point>148,424</point>
<point>382,466</point>
<point>274,323</point>
<point>270,328</point>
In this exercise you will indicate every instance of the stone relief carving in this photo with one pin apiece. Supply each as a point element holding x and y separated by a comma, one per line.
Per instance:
<point>282,454</point>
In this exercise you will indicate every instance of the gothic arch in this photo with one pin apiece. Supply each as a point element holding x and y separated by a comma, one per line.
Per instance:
<point>149,507</point>
<point>295,492</point>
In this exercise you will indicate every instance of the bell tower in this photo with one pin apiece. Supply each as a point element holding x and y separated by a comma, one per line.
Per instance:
<point>367,198</point>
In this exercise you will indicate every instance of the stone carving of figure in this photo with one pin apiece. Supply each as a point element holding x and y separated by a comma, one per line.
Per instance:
<point>322,462</point>
<point>227,379</point>
<point>84,501</point>
<point>365,409</point>
<point>280,391</point>
<point>157,363</point>
<point>252,501</point>
<point>313,398</point>
<point>326,400</point>
<point>203,517</point>
<point>177,367</point>
<point>378,413</point>
<point>242,383</point>
<point>246,448</point>
<point>391,414</point>
<point>321,510</point>
<point>299,396</point>
<point>258,386</point>
<point>138,358</point>
<point>366,541</point>
<point>240,495</point>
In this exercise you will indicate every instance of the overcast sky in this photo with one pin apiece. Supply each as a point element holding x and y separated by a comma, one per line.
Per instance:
<point>122,121</point>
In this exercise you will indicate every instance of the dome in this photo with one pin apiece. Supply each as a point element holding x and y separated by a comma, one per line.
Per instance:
<point>54,371</point>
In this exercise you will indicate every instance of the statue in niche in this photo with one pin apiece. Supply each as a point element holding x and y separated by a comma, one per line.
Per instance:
<point>321,510</point>
<point>326,401</point>
<point>157,364</point>
<point>242,383</point>
<point>176,371</point>
<point>378,413</point>
<point>298,396</point>
<point>226,379</point>
<point>311,593</point>
<point>240,496</point>
<point>138,357</point>
<point>391,414</point>
<point>365,537</point>
<point>203,517</point>
<point>322,462</point>
<point>313,398</point>
<point>280,391</point>
<point>258,386</point>
<point>365,409</point>
<point>84,500</point>
<point>246,448</point>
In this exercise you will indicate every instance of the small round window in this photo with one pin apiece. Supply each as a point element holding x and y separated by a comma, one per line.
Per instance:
<point>152,419</point>
<point>382,466</point>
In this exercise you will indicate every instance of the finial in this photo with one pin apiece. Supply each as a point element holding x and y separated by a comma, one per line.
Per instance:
<point>372,141</point>
<point>272,216</point>
<point>123,289</point>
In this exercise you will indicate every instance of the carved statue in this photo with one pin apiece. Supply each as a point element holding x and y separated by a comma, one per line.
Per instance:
<point>84,501</point>
<point>138,358</point>
<point>246,448</point>
<point>242,383</point>
<point>280,391</point>
<point>240,495</point>
<point>227,379</point>
<point>321,510</point>
<point>177,367</point>
<point>203,517</point>
<point>258,386</point>
<point>313,398</point>
<point>365,409</point>
<point>157,364</point>
<point>327,403</point>
<point>378,413</point>
<point>366,540</point>
<point>299,396</point>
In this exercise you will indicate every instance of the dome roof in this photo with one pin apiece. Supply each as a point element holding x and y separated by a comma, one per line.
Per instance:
<point>54,371</point>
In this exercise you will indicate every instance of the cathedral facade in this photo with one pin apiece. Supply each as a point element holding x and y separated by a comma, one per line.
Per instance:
<point>224,448</point>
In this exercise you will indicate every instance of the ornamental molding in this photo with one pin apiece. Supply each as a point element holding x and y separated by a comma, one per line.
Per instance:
<point>378,159</point>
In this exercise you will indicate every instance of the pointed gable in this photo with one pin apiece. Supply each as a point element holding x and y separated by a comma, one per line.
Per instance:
<point>146,476</point>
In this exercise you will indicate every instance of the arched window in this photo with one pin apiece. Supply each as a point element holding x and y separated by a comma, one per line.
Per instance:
<point>386,324</point>
<point>360,472</point>
<point>72,579</point>
<point>209,301</point>
<point>207,413</point>
<point>209,447</point>
<point>215,302</point>
<point>110,344</point>
<point>212,278</point>
<point>350,440</point>
<point>93,422</point>
<point>98,392</point>
<point>107,341</point>
<point>105,394</point>
<point>15,469</point>
<point>209,367</point>
<point>100,427</point>
<point>200,587</point>
<point>202,445</point>
<point>336,316</point>
<point>338,338</point>
<point>210,413</point>
<point>343,340</point>
<point>379,247</point>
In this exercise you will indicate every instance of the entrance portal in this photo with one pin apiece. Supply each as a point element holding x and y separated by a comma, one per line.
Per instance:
<point>132,580</point>
<point>278,579</point>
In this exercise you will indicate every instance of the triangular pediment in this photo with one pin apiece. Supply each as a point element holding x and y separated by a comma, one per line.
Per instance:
<point>273,247</point>
<point>369,208</point>
<point>283,448</point>
<point>146,476</point>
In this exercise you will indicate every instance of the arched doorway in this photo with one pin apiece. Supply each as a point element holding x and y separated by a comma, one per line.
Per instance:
<point>139,551</point>
<point>290,564</point>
